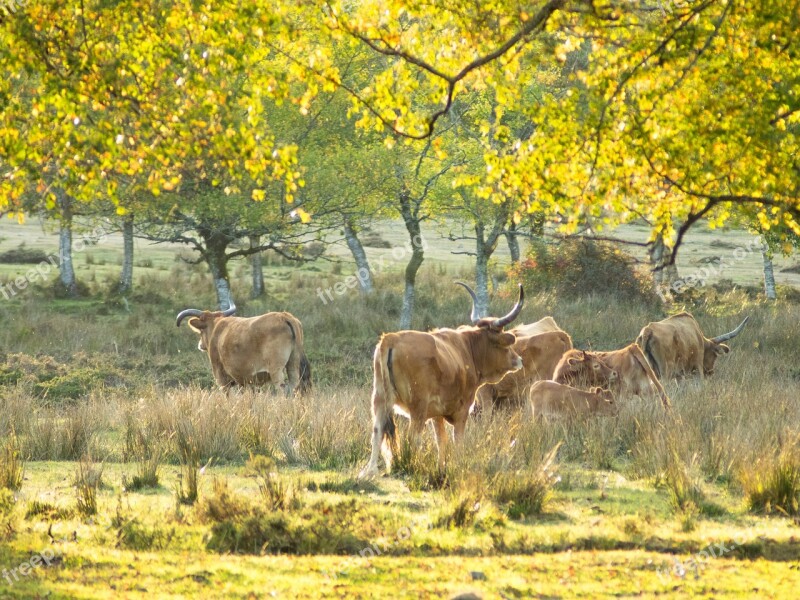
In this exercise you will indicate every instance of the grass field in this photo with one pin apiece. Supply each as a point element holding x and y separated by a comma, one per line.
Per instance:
<point>99,395</point>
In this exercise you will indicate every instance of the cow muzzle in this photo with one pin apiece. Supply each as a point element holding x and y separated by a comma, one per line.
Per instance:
<point>613,376</point>
<point>516,362</point>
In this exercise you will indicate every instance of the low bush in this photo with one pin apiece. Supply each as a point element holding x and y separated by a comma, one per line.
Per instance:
<point>581,267</point>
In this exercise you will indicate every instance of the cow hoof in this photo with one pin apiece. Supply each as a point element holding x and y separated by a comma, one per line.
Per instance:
<point>368,473</point>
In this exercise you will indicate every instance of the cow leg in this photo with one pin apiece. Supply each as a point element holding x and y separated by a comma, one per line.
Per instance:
<point>278,377</point>
<point>459,425</point>
<point>371,470</point>
<point>440,429</point>
<point>383,435</point>
<point>293,371</point>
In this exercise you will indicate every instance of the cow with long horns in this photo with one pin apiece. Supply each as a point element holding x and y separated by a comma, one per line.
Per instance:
<point>676,346</point>
<point>252,351</point>
<point>434,375</point>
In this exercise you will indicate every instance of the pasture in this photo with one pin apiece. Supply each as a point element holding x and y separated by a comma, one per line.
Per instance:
<point>109,413</point>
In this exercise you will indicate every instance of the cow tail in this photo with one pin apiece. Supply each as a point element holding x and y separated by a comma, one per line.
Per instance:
<point>384,395</point>
<point>644,340</point>
<point>305,365</point>
<point>305,374</point>
<point>650,372</point>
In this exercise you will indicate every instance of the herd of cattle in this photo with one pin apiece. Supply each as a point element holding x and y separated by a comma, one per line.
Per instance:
<point>445,374</point>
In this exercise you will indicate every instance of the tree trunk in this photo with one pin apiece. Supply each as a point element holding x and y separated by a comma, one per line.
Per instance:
<point>363,273</point>
<point>126,277</point>
<point>485,245</point>
<point>660,255</point>
<point>258,268</point>
<point>218,265</point>
<point>482,254</point>
<point>412,222</point>
<point>513,242</point>
<point>769,273</point>
<point>66,268</point>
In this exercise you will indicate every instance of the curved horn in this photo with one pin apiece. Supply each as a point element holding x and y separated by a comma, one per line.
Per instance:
<point>474,315</point>
<point>726,336</point>
<point>230,311</point>
<point>503,321</point>
<point>189,312</point>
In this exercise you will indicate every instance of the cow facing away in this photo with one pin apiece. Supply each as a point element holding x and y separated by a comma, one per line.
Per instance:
<point>633,373</point>
<point>252,351</point>
<point>552,399</point>
<point>434,375</point>
<point>676,346</point>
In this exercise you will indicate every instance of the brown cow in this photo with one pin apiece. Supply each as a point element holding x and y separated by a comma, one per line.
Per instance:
<point>633,373</point>
<point>552,399</point>
<point>539,344</point>
<point>543,325</point>
<point>540,354</point>
<point>255,350</point>
<point>676,346</point>
<point>579,367</point>
<point>434,376</point>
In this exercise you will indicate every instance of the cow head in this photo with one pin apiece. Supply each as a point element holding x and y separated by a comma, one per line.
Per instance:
<point>606,405</point>
<point>202,322</point>
<point>492,347</point>
<point>579,366</point>
<point>714,348</point>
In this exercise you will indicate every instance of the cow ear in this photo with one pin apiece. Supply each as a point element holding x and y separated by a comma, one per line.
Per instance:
<point>197,324</point>
<point>721,349</point>
<point>573,361</point>
<point>507,339</point>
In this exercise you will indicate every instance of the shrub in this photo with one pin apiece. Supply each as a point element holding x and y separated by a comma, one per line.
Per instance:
<point>525,492</point>
<point>7,503</point>
<point>12,467</point>
<point>582,267</point>
<point>23,256</point>
<point>87,482</point>
<point>772,483</point>
<point>143,444</point>
<point>47,511</point>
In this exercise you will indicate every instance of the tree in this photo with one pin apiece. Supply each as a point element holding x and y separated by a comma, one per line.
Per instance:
<point>117,102</point>
<point>775,239</point>
<point>685,111</point>
<point>222,227</point>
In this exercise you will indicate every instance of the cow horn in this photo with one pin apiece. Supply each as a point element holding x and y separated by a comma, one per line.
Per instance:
<point>726,336</point>
<point>189,312</point>
<point>474,316</point>
<point>230,311</point>
<point>503,321</point>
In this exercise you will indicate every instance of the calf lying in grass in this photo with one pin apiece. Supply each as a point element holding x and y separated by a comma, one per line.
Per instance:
<point>552,399</point>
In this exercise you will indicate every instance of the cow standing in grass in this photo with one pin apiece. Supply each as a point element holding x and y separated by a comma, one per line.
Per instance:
<point>435,376</point>
<point>254,350</point>
<point>676,346</point>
